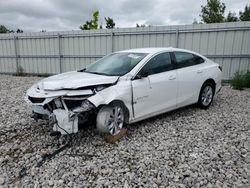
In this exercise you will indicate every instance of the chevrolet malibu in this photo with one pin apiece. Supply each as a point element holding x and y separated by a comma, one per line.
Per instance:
<point>125,87</point>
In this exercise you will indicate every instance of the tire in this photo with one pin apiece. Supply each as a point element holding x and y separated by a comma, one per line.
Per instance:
<point>110,119</point>
<point>206,95</point>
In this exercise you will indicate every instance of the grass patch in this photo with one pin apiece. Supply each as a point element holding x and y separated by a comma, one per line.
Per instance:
<point>240,80</point>
<point>20,71</point>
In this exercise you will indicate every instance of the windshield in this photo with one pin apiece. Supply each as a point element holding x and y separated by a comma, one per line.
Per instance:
<point>116,64</point>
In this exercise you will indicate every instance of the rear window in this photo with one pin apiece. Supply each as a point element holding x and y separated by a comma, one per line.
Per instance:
<point>185,59</point>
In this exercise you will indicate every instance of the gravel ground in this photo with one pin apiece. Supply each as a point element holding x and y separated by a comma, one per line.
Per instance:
<point>189,147</point>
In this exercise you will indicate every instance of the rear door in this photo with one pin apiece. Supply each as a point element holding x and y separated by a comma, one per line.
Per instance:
<point>190,72</point>
<point>155,86</point>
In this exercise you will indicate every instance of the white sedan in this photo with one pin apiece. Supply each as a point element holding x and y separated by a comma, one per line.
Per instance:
<point>125,87</point>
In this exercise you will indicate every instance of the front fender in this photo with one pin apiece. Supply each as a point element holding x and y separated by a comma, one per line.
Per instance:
<point>122,91</point>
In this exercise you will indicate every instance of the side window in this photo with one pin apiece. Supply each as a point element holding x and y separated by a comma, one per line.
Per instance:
<point>198,59</point>
<point>159,63</point>
<point>184,59</point>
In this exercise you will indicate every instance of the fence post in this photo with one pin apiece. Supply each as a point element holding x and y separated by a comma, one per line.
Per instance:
<point>59,52</point>
<point>15,38</point>
<point>111,40</point>
<point>177,38</point>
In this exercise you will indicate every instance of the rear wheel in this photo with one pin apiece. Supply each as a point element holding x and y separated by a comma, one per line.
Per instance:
<point>206,95</point>
<point>110,119</point>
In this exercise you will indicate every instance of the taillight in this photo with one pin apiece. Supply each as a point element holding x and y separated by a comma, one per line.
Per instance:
<point>220,67</point>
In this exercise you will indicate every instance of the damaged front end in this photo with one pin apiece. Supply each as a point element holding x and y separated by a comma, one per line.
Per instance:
<point>64,112</point>
<point>64,99</point>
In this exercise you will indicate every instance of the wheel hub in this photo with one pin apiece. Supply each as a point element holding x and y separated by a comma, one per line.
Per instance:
<point>207,95</point>
<point>115,121</point>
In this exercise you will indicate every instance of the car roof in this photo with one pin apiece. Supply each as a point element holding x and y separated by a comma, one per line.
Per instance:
<point>157,50</point>
<point>153,50</point>
<point>147,50</point>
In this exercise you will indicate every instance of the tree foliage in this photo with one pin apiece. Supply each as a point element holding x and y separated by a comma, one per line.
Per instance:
<point>231,17</point>
<point>95,19</point>
<point>19,31</point>
<point>142,25</point>
<point>213,11</point>
<point>245,15</point>
<point>3,29</point>
<point>110,24</point>
<point>92,24</point>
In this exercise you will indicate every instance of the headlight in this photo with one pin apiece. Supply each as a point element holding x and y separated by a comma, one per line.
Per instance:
<point>85,106</point>
<point>100,87</point>
<point>58,103</point>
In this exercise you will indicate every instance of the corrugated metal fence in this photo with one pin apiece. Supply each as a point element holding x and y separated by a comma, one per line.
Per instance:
<point>55,52</point>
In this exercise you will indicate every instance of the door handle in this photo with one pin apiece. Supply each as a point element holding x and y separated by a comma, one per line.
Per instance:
<point>199,71</point>
<point>172,78</point>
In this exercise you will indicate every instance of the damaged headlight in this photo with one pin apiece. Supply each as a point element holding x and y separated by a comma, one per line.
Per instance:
<point>85,106</point>
<point>101,87</point>
<point>58,103</point>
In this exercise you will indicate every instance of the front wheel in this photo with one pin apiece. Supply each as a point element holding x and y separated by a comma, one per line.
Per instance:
<point>206,95</point>
<point>110,119</point>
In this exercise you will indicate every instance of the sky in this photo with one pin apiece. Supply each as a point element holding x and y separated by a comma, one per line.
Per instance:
<point>67,15</point>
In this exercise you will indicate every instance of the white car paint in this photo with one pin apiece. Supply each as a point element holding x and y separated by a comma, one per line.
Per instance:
<point>74,80</point>
<point>143,98</point>
<point>155,93</point>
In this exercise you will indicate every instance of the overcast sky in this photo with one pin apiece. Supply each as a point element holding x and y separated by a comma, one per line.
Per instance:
<point>55,15</point>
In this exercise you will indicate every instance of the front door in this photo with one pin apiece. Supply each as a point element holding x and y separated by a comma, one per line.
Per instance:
<point>155,87</point>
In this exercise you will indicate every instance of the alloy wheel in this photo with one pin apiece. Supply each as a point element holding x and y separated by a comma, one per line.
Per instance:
<point>207,95</point>
<point>115,120</point>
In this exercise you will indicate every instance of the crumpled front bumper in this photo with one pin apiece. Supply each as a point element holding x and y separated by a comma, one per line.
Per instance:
<point>63,122</point>
<point>62,118</point>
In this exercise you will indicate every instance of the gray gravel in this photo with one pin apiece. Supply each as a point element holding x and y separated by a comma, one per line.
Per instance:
<point>189,147</point>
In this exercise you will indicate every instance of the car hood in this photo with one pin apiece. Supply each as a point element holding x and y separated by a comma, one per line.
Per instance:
<point>74,80</point>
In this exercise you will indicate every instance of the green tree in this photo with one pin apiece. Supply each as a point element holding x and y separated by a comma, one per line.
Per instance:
<point>245,15</point>
<point>3,29</point>
<point>142,25</point>
<point>92,24</point>
<point>95,19</point>
<point>86,26</point>
<point>231,17</point>
<point>213,11</point>
<point>110,24</point>
<point>19,31</point>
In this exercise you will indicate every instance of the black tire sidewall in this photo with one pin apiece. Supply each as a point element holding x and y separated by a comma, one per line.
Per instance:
<point>200,96</point>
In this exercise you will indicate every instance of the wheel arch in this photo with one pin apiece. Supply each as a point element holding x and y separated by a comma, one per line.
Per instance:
<point>117,102</point>
<point>210,80</point>
<point>213,84</point>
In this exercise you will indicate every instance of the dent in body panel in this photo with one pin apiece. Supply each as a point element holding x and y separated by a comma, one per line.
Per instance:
<point>120,91</point>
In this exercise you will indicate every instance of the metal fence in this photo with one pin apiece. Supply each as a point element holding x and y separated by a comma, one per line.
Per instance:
<point>55,52</point>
